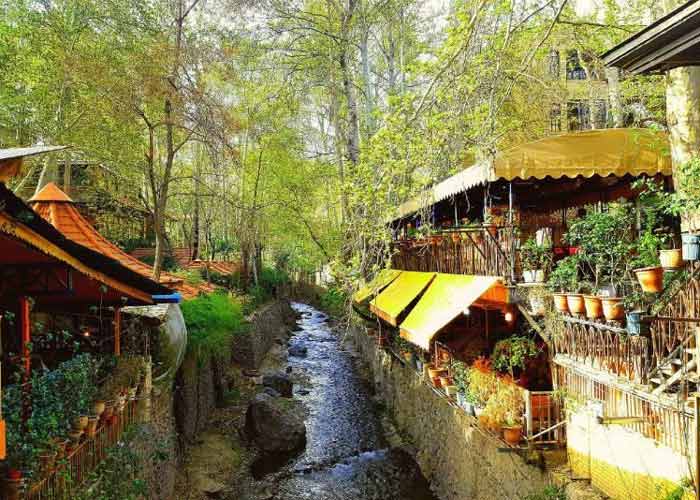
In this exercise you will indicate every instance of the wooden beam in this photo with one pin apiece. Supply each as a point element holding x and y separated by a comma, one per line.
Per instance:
<point>25,334</point>
<point>117,331</point>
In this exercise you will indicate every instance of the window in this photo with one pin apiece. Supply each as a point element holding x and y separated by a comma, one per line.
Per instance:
<point>555,118</point>
<point>578,115</point>
<point>574,70</point>
<point>600,113</point>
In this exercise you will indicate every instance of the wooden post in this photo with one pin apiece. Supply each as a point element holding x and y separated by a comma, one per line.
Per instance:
<point>25,334</point>
<point>697,350</point>
<point>117,331</point>
<point>528,413</point>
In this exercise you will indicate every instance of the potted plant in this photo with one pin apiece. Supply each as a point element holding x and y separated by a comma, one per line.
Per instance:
<point>564,277</point>
<point>613,309</point>
<point>535,261</point>
<point>513,353</point>
<point>512,429</point>
<point>538,297</point>
<point>482,383</point>
<point>460,373</point>
<point>593,304</point>
<point>635,305</point>
<point>648,268</point>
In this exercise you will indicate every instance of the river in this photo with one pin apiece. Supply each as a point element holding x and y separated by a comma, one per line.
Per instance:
<point>347,456</point>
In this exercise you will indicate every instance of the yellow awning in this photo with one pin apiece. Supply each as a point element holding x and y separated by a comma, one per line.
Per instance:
<point>448,296</point>
<point>399,294</point>
<point>613,151</point>
<point>380,281</point>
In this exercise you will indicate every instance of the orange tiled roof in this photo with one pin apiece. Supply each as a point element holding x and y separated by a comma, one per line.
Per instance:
<point>52,204</point>
<point>222,267</point>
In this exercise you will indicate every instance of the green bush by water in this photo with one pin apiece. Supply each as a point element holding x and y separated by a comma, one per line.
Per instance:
<point>212,321</point>
<point>333,301</point>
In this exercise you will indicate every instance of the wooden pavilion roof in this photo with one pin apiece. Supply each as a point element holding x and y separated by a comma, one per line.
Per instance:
<point>36,259</point>
<point>56,207</point>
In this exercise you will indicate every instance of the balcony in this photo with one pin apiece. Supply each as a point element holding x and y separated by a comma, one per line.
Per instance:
<point>486,251</point>
<point>605,348</point>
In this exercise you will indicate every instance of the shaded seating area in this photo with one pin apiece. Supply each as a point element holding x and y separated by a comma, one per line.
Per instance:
<point>62,348</point>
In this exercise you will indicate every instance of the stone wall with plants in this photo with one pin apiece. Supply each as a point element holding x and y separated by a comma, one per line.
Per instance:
<point>458,458</point>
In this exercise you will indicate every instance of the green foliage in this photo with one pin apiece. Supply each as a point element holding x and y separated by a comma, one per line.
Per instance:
<point>550,492</point>
<point>564,277</point>
<point>212,320</point>
<point>169,262</point>
<point>334,301</point>
<point>460,373</point>
<point>120,475</point>
<point>606,243</point>
<point>56,397</point>
<point>534,256</point>
<point>513,352</point>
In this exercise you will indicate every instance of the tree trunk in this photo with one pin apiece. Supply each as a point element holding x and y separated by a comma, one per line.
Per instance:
<point>683,115</point>
<point>613,76</point>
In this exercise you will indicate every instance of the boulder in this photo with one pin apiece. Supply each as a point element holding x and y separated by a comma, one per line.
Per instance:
<point>298,350</point>
<point>280,382</point>
<point>271,392</point>
<point>275,425</point>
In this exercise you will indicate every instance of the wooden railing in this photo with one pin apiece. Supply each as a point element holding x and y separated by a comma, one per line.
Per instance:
<point>677,319</point>
<point>72,471</point>
<point>604,348</point>
<point>475,251</point>
<point>665,424</point>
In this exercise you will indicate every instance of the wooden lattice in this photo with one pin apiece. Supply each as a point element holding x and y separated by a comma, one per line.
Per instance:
<point>476,252</point>
<point>605,348</point>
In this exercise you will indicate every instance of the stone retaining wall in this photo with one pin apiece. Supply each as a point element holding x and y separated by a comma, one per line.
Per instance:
<point>459,459</point>
<point>266,324</point>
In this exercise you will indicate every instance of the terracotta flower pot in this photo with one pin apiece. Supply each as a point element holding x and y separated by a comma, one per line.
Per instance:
<point>671,259</point>
<point>612,308</point>
<point>91,429</point>
<point>98,407</point>
<point>445,381</point>
<point>560,302</point>
<point>594,306</point>
<point>576,303</point>
<point>651,278</point>
<point>513,434</point>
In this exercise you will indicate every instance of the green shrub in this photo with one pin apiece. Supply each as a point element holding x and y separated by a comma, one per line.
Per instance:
<point>333,301</point>
<point>212,321</point>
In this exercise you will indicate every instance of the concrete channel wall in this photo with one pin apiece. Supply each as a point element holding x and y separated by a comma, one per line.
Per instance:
<point>459,459</point>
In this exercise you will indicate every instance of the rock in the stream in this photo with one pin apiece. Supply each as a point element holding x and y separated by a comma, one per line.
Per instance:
<point>275,424</point>
<point>279,382</point>
<point>298,350</point>
<point>271,392</point>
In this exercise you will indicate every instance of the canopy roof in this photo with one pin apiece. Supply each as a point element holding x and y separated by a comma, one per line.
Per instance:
<point>30,244</point>
<point>56,207</point>
<point>670,42</point>
<point>622,151</point>
<point>396,297</point>
<point>11,158</point>
<point>448,296</point>
<point>380,281</point>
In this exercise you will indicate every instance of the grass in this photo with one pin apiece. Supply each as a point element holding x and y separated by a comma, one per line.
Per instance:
<point>212,320</point>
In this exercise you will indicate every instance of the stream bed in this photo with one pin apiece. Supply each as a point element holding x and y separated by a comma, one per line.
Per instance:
<point>347,456</point>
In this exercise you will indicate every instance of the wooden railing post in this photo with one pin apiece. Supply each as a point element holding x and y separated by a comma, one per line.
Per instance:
<point>528,413</point>
<point>696,451</point>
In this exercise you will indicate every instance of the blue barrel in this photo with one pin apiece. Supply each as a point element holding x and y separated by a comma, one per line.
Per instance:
<point>691,246</point>
<point>634,323</point>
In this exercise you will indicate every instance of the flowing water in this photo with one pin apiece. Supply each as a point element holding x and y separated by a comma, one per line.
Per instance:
<point>347,456</point>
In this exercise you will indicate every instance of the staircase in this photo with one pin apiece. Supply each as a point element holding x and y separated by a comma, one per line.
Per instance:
<point>679,368</point>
